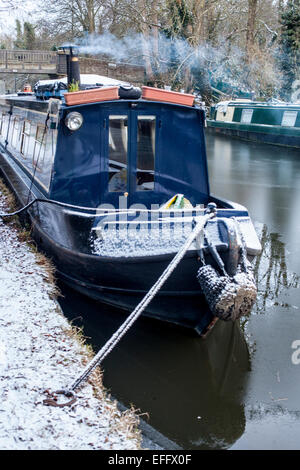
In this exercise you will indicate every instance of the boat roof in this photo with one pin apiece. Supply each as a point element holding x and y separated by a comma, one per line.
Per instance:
<point>31,101</point>
<point>24,101</point>
<point>246,102</point>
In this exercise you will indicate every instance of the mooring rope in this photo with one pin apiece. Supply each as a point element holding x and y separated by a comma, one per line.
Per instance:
<point>99,211</point>
<point>122,330</point>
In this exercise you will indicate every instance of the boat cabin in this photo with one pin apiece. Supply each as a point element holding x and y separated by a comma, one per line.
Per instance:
<point>91,154</point>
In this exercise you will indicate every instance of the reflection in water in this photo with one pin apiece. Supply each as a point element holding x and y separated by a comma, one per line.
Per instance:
<point>265,179</point>
<point>271,272</point>
<point>191,388</point>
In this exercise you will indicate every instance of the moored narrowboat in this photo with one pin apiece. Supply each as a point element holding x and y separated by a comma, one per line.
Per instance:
<point>117,182</point>
<point>274,123</point>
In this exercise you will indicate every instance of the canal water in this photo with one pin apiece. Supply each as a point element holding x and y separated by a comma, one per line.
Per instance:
<point>240,387</point>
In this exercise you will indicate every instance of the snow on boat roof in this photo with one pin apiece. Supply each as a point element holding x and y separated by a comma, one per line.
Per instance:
<point>87,79</point>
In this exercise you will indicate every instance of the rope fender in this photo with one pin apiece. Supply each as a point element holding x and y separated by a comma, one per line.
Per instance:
<point>229,298</point>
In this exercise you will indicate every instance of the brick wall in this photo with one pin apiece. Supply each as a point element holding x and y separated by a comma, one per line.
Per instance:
<point>130,73</point>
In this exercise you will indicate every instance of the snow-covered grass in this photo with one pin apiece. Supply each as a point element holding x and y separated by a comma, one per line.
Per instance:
<point>41,352</point>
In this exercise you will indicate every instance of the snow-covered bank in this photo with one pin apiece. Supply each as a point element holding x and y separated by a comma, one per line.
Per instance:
<point>38,352</point>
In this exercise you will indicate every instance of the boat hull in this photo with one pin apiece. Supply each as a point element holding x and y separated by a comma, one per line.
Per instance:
<point>190,313</point>
<point>123,283</point>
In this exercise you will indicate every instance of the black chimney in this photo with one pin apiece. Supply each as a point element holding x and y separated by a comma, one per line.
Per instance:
<point>72,63</point>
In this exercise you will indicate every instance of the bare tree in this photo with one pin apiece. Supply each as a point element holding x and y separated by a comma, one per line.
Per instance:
<point>232,40</point>
<point>250,33</point>
<point>7,5</point>
<point>74,18</point>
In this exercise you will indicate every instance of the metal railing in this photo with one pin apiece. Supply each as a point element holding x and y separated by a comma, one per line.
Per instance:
<point>8,58</point>
<point>50,62</point>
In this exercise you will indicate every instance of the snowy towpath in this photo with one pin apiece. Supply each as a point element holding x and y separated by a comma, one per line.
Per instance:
<point>38,352</point>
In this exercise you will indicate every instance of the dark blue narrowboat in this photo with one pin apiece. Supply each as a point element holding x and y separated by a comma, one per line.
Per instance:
<point>118,181</point>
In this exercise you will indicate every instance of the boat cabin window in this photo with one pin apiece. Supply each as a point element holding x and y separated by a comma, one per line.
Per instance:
<point>289,118</point>
<point>1,122</point>
<point>25,138</point>
<point>39,147</point>
<point>4,124</point>
<point>246,116</point>
<point>145,153</point>
<point>14,132</point>
<point>117,153</point>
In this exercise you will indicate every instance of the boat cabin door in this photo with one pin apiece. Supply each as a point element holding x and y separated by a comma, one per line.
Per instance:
<point>130,140</point>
